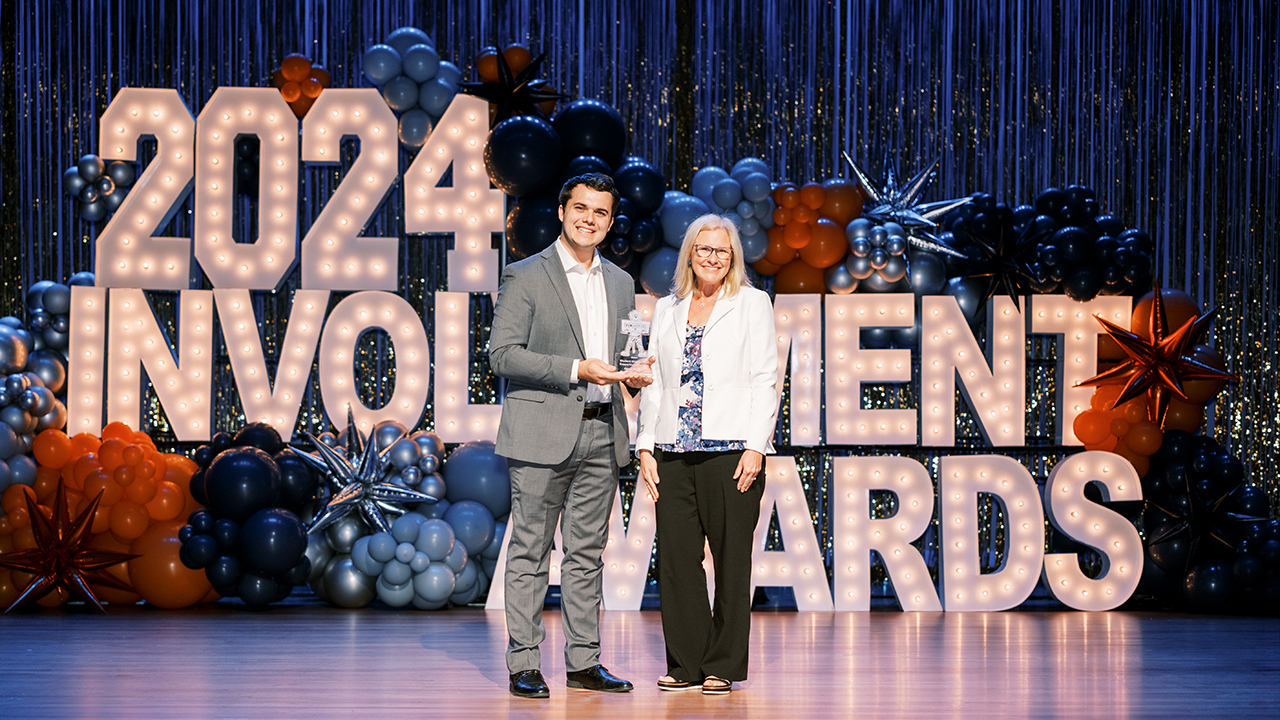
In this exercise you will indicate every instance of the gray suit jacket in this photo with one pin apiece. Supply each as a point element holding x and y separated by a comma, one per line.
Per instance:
<point>536,337</point>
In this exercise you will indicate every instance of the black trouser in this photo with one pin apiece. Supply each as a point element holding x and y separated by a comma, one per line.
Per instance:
<point>698,499</point>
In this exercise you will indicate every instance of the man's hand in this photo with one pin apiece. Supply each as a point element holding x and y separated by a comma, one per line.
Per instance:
<point>649,472</point>
<point>640,375</point>
<point>599,372</point>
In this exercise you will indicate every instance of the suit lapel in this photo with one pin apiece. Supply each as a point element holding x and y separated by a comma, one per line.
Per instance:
<point>560,283</point>
<point>723,307</point>
<point>680,314</point>
<point>615,298</point>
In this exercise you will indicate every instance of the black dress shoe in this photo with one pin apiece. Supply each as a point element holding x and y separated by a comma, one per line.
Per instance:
<point>597,678</point>
<point>529,684</point>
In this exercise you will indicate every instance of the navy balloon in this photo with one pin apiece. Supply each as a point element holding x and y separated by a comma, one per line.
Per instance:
<point>522,155</point>
<point>591,127</point>
<point>475,472</point>
<point>658,270</point>
<point>646,234</point>
<point>260,435</point>
<point>532,225</point>
<point>240,482</point>
<point>968,292</point>
<point>273,540</point>
<point>928,274</point>
<point>257,590</point>
<point>584,164</point>
<point>298,482</point>
<point>642,185</point>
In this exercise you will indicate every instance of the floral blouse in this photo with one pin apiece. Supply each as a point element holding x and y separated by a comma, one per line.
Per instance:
<point>689,429</point>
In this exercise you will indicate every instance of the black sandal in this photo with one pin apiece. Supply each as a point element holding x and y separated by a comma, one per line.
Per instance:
<point>666,682</point>
<point>716,686</point>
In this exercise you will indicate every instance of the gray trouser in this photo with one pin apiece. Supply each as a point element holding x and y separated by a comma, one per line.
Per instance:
<point>582,488</point>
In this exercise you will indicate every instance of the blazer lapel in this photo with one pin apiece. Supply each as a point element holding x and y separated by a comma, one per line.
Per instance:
<point>615,291</point>
<point>724,306</point>
<point>680,314</point>
<point>560,283</point>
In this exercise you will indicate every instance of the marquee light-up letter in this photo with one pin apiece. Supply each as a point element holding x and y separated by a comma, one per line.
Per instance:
<point>127,254</point>
<point>471,210</point>
<point>799,323</point>
<point>87,355</point>
<point>278,406</point>
<point>799,564</point>
<point>849,366</point>
<point>136,343</point>
<point>627,553</point>
<point>262,264</point>
<point>997,393</point>
<point>348,321</point>
<point>1078,350</point>
<point>857,534</point>
<point>645,303</point>
<point>962,585</point>
<point>1114,537</point>
<point>334,257</point>
<point>457,420</point>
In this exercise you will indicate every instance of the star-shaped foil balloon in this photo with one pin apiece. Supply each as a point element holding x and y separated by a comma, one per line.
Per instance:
<point>1157,364</point>
<point>359,486</point>
<point>1203,522</point>
<point>514,94</point>
<point>901,203</point>
<point>60,559</point>
<point>1006,261</point>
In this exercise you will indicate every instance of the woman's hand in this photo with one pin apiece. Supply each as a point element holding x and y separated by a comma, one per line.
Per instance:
<point>649,473</point>
<point>748,468</point>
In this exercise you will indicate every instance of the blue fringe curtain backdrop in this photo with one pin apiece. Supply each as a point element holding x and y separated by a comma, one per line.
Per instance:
<point>1169,110</point>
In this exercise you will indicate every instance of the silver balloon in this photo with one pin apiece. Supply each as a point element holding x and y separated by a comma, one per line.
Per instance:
<point>57,299</point>
<point>894,269</point>
<point>879,236</point>
<point>894,228</point>
<point>411,476</point>
<point>122,173</point>
<point>343,533</point>
<point>860,247</point>
<point>430,443</point>
<point>37,400</point>
<point>15,417</point>
<point>72,183</point>
<point>13,351</point>
<point>838,279</point>
<point>878,258</point>
<point>896,245</point>
<point>859,228</point>
<point>429,464</point>
<point>405,453</point>
<point>347,587</point>
<point>319,552</point>
<point>328,438</point>
<point>432,485</point>
<point>92,211</point>
<point>55,419</point>
<point>876,283</point>
<point>859,267</point>
<point>928,273</point>
<point>386,433</point>
<point>56,340</point>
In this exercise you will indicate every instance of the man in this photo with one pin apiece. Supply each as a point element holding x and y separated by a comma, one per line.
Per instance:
<point>563,431</point>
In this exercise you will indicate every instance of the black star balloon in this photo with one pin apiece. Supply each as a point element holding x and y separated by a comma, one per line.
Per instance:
<point>60,559</point>
<point>892,202</point>
<point>359,485</point>
<point>1006,260</point>
<point>1157,364</point>
<point>514,93</point>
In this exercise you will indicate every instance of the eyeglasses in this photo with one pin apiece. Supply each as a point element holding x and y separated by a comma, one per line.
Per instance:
<point>705,251</point>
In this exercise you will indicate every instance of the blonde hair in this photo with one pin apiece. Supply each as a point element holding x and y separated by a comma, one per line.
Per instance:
<point>683,282</point>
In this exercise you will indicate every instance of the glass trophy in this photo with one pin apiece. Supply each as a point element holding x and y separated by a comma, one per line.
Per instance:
<point>634,352</point>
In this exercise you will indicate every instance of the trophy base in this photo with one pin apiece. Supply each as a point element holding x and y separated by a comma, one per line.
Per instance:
<point>626,362</point>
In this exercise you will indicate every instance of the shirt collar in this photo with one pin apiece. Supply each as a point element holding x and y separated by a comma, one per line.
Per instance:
<point>571,263</point>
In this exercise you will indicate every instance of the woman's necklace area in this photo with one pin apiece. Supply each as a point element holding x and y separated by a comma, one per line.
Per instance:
<point>705,298</point>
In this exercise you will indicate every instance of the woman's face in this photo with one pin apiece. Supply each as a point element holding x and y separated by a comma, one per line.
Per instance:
<point>712,269</point>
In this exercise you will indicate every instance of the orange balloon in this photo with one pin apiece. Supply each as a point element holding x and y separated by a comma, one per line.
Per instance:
<point>1183,416</point>
<point>787,196</point>
<point>764,267</point>
<point>827,247</point>
<point>803,214</point>
<point>99,481</point>
<point>158,575</point>
<point>1178,308</point>
<point>797,234</point>
<point>168,503</point>
<point>141,490</point>
<point>1119,427</point>
<point>14,498</point>
<point>1135,410</point>
<point>779,252</point>
<point>487,64</point>
<point>24,538</point>
<point>129,519</point>
<point>1092,427</point>
<point>117,430</point>
<point>302,105</point>
<point>277,79</point>
<point>111,454</point>
<point>1141,463</point>
<point>46,483</point>
<point>146,469</point>
<point>1109,349</point>
<point>291,91</point>
<point>8,590</point>
<point>812,195</point>
<point>799,276</point>
<point>311,87</point>
<point>320,75</point>
<point>132,455</point>
<point>52,448</point>
<point>1144,438</point>
<point>1105,396</point>
<point>843,201</point>
<point>1203,390</point>
<point>124,476</point>
<point>106,593</point>
<point>179,468</point>
<point>517,56</point>
<point>296,67</point>
<point>84,465</point>
<point>781,216</point>
<point>56,598</point>
<point>6,529</point>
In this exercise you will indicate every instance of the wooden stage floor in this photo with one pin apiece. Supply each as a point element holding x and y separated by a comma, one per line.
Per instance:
<point>311,661</point>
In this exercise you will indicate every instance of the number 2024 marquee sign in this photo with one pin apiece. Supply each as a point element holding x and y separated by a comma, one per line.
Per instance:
<point>118,348</point>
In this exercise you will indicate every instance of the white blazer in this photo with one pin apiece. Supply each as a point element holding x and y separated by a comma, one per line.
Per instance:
<point>739,369</point>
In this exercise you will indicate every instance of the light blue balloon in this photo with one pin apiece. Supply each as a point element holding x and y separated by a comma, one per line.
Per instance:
<point>432,511</point>
<point>448,72</point>
<point>745,209</point>
<point>754,245</point>
<point>404,38</point>
<point>381,63</point>
<point>755,186</point>
<point>435,538</point>
<point>472,525</point>
<point>22,470</point>
<point>495,547</point>
<point>657,271</point>
<point>457,558</point>
<point>405,528</point>
<point>360,558</point>
<point>764,212</point>
<point>466,579</point>
<point>401,93</point>
<point>666,197</point>
<point>748,165</point>
<point>749,226</point>
<point>676,217</point>
<point>436,584</point>
<point>727,193</point>
<point>474,471</point>
<point>415,126</point>
<point>394,595</point>
<point>426,604</point>
<point>396,573</point>
<point>405,552</point>
<point>432,485</point>
<point>419,562</point>
<point>704,181</point>
<point>421,63</point>
<point>435,95</point>
<point>465,596</point>
<point>382,547</point>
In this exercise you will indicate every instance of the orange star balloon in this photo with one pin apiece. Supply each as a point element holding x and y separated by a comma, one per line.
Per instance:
<point>60,558</point>
<point>1158,362</point>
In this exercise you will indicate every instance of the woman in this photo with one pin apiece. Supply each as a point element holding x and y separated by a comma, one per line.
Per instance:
<point>706,423</point>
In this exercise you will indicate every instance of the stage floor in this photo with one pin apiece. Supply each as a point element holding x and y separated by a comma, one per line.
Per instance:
<point>312,661</point>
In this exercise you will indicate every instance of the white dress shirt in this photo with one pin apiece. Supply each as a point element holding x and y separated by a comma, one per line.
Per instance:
<point>587,286</point>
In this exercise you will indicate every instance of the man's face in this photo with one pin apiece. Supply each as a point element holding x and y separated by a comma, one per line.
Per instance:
<point>587,217</point>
